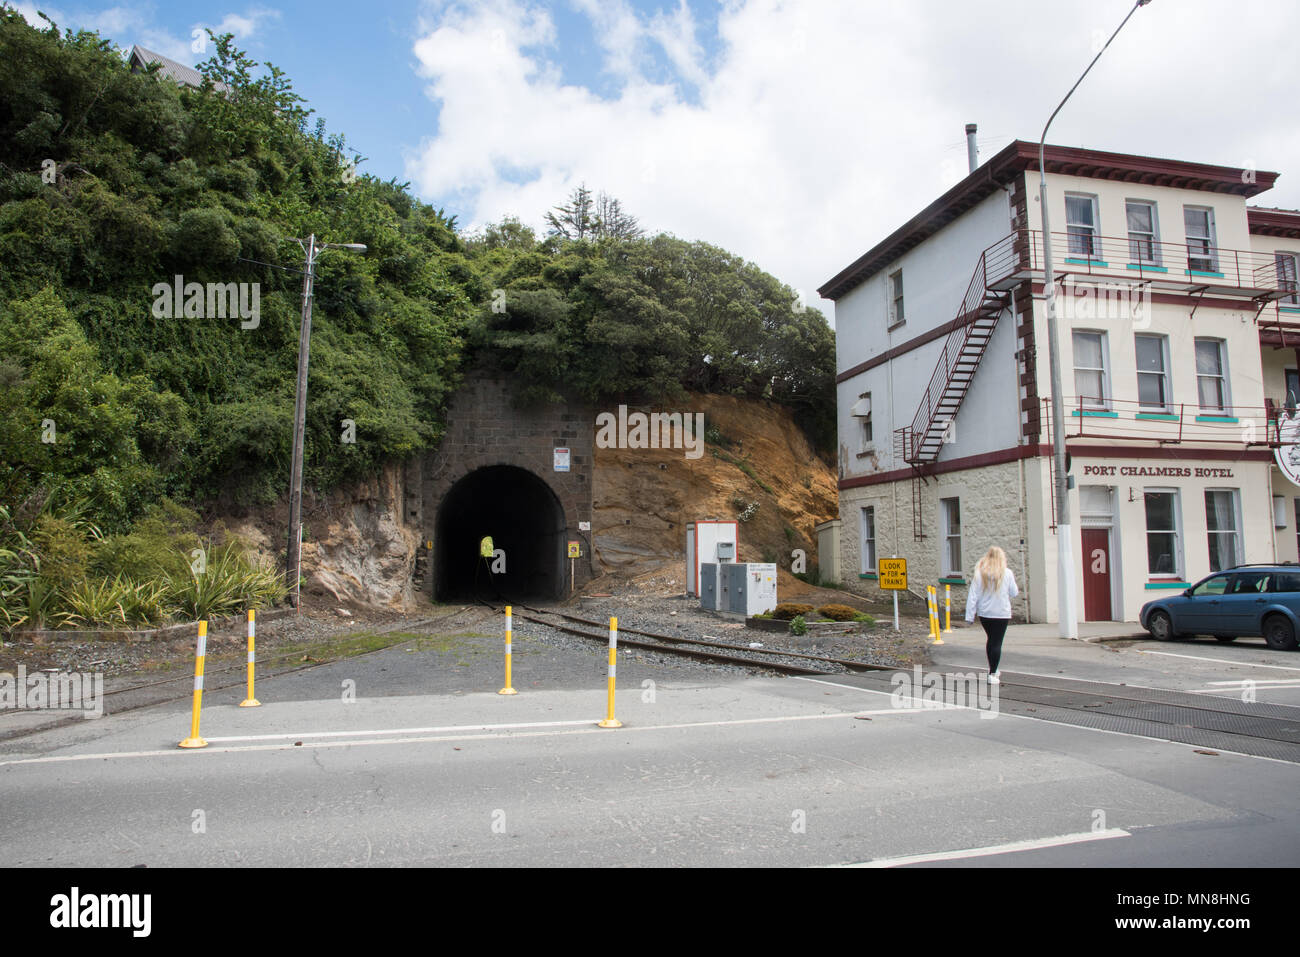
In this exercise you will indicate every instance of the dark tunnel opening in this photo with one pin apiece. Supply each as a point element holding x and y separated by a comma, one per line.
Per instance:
<point>525,520</point>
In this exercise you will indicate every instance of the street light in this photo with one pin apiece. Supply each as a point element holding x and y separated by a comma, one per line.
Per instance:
<point>293,558</point>
<point>1069,623</point>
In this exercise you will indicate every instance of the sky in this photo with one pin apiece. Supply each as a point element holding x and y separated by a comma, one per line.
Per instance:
<point>797,134</point>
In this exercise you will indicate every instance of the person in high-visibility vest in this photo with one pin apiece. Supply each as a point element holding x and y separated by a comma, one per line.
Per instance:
<point>992,587</point>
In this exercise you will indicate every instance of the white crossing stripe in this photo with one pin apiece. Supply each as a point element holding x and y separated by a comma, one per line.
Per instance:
<point>1012,848</point>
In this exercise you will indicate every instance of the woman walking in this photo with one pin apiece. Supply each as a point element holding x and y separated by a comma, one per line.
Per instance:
<point>991,589</point>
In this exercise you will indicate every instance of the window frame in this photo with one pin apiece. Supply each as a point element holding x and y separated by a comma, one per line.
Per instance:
<point>1105,403</point>
<point>896,298</point>
<point>1236,532</point>
<point>1288,279</point>
<point>1155,259</point>
<point>1176,573</point>
<point>1094,241</point>
<point>1211,240</point>
<point>864,541</point>
<point>1166,382</point>
<point>1226,397</point>
<point>948,537</point>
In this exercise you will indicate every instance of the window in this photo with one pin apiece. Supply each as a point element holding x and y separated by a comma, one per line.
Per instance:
<point>1090,369</point>
<point>1081,226</point>
<point>1164,558</point>
<point>862,412</point>
<point>950,509</point>
<point>1297,522</point>
<point>868,540</point>
<point>1212,586</point>
<point>1224,534</point>
<point>896,315</point>
<point>1250,583</point>
<point>1142,232</point>
<point>1292,396</point>
<point>1153,373</point>
<point>1286,277</point>
<point>1198,222</point>
<point>1211,375</point>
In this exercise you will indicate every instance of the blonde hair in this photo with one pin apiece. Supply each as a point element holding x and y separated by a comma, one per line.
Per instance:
<point>992,568</point>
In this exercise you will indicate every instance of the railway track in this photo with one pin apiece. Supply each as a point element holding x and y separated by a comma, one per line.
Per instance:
<point>786,662</point>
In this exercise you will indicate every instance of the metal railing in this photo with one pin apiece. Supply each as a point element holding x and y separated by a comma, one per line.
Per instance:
<point>1142,257</point>
<point>1121,420</point>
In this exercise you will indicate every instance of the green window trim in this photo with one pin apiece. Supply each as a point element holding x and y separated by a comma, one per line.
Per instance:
<point>1199,272</point>
<point>1151,585</point>
<point>1289,308</point>
<point>1144,267</point>
<point>1216,418</point>
<point>870,576</point>
<point>952,581</point>
<point>1089,262</point>
<point>1157,416</point>
<point>1094,414</point>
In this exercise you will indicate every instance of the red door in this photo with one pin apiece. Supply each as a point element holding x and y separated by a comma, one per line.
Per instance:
<point>1096,574</point>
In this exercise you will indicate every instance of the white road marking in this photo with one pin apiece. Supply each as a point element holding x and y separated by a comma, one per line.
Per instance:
<point>442,730</point>
<point>356,742</point>
<point>1030,717</point>
<point>1221,661</point>
<point>1012,848</point>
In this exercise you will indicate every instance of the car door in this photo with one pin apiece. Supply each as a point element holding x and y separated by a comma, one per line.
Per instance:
<point>1285,590</point>
<point>1242,606</point>
<point>1199,612</point>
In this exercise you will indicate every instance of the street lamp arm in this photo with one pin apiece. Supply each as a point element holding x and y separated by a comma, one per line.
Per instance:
<point>1043,139</point>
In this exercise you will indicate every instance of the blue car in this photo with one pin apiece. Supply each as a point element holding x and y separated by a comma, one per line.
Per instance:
<point>1246,601</point>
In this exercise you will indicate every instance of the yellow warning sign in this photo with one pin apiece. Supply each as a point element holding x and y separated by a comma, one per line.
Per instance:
<point>575,550</point>
<point>893,573</point>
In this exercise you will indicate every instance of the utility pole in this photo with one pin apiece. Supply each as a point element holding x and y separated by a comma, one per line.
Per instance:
<point>1069,617</point>
<point>293,557</point>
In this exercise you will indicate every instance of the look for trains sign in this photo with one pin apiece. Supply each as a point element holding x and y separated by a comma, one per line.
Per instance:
<point>893,573</point>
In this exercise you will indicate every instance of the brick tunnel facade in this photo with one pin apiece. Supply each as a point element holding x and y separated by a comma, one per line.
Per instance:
<point>497,473</point>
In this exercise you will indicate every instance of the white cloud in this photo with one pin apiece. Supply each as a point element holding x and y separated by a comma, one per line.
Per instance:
<point>821,126</point>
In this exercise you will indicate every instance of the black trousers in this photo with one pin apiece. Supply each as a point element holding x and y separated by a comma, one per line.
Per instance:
<point>996,630</point>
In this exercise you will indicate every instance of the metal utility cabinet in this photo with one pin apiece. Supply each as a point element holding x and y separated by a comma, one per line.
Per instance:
<point>746,590</point>
<point>709,542</point>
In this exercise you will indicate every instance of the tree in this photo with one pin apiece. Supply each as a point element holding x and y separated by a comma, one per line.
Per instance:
<point>575,221</point>
<point>612,223</point>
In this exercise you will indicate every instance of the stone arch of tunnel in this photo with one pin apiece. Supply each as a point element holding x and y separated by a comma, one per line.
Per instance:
<point>526,521</point>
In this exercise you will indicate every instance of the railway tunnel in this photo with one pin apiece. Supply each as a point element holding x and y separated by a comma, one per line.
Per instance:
<point>524,518</point>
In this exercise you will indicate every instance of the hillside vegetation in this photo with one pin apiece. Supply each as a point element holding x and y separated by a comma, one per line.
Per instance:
<point>114,183</point>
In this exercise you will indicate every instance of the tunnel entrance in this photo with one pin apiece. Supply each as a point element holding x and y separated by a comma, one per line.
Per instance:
<point>524,518</point>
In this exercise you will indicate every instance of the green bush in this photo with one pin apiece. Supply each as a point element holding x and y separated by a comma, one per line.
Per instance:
<point>798,626</point>
<point>838,612</point>
<point>788,609</point>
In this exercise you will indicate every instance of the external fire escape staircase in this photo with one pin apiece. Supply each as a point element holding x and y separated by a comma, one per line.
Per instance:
<point>967,339</point>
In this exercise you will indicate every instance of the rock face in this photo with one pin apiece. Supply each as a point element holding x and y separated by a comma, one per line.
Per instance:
<point>358,550</point>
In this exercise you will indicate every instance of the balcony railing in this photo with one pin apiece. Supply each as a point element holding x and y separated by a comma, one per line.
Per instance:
<point>1119,420</point>
<point>1181,264</point>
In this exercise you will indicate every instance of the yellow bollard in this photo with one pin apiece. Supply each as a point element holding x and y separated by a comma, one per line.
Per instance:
<point>194,741</point>
<point>250,701</point>
<point>933,592</point>
<point>508,689</point>
<point>947,609</point>
<point>610,721</point>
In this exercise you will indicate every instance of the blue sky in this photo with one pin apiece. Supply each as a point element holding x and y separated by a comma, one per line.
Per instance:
<point>794,132</point>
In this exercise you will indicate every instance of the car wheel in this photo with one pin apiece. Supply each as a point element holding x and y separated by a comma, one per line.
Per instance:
<point>1225,638</point>
<point>1279,633</point>
<point>1161,626</point>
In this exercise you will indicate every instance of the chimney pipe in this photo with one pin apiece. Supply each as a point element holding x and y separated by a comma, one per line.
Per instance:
<point>972,151</point>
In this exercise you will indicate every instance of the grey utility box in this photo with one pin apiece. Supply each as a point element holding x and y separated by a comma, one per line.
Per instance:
<point>709,585</point>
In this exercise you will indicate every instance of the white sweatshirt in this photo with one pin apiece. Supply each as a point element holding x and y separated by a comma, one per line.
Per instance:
<point>990,604</point>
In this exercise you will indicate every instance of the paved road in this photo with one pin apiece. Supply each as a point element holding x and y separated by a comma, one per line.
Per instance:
<point>756,771</point>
